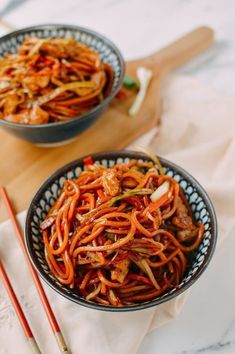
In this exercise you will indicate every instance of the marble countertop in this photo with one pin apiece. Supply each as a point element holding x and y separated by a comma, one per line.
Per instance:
<point>130,23</point>
<point>207,322</point>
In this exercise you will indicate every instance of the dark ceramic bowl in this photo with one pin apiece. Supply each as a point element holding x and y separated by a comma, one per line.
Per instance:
<point>55,133</point>
<point>45,197</point>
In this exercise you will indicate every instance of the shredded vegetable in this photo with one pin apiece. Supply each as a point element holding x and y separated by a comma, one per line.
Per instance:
<point>160,191</point>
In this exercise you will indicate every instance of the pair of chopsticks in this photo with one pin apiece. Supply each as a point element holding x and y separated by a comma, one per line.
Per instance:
<point>50,315</point>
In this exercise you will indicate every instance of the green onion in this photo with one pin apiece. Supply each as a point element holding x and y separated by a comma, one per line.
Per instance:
<point>142,191</point>
<point>144,75</point>
<point>129,82</point>
<point>144,266</point>
<point>160,191</point>
<point>153,157</point>
<point>69,86</point>
<point>110,237</point>
<point>109,203</point>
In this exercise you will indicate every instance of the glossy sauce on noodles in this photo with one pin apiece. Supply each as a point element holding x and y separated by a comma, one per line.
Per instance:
<point>51,80</point>
<point>120,235</point>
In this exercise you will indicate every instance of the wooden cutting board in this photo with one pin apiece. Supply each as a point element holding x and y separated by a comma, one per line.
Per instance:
<point>24,167</point>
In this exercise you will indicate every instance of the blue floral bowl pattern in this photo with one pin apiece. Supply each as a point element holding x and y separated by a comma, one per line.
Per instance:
<point>197,197</point>
<point>63,131</point>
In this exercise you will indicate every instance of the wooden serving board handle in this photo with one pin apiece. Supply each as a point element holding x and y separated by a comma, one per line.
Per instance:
<point>178,52</point>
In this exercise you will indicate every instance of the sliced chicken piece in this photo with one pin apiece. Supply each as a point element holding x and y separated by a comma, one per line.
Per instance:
<point>38,116</point>
<point>187,235</point>
<point>110,182</point>
<point>21,118</point>
<point>120,271</point>
<point>182,219</point>
<point>33,83</point>
<point>11,103</point>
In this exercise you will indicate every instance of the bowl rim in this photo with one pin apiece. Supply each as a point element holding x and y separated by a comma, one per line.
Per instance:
<point>109,156</point>
<point>102,104</point>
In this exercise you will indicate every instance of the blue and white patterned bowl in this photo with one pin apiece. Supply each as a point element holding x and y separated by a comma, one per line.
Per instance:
<point>198,199</point>
<point>55,133</point>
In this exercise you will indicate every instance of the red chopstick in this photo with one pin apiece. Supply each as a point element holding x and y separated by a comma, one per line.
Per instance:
<point>50,315</point>
<point>24,323</point>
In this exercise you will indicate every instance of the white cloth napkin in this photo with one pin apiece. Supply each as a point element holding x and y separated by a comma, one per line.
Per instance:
<point>198,133</point>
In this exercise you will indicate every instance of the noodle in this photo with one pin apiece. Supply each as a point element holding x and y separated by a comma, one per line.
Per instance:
<point>50,80</point>
<point>116,237</point>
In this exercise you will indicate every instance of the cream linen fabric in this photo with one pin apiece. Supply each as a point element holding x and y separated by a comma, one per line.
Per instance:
<point>197,132</point>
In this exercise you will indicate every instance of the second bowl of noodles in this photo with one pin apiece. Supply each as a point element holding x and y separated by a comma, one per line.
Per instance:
<point>55,81</point>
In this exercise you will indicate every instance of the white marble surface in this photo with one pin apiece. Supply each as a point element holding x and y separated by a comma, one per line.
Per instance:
<point>207,323</point>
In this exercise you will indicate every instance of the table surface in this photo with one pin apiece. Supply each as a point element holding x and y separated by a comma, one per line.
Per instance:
<point>207,322</point>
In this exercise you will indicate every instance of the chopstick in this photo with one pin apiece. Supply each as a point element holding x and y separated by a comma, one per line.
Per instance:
<point>24,323</point>
<point>50,315</point>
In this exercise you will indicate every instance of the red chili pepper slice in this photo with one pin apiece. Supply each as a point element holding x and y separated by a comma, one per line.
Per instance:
<point>121,95</point>
<point>88,160</point>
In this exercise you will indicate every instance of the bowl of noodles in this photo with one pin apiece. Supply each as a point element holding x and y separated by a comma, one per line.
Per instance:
<point>55,81</point>
<point>120,231</point>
